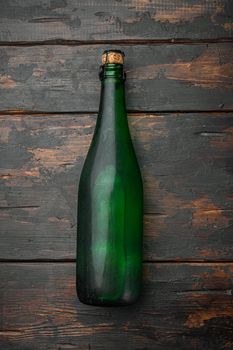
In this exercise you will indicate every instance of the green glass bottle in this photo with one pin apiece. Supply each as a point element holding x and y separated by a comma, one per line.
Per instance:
<point>110,201</point>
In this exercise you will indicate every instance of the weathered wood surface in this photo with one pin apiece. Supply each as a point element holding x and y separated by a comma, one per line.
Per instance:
<point>186,161</point>
<point>183,306</point>
<point>41,20</point>
<point>160,77</point>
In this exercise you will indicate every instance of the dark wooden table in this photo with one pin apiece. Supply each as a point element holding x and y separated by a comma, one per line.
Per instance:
<point>179,63</point>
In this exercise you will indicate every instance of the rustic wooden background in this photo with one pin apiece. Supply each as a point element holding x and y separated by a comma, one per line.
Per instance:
<point>179,63</point>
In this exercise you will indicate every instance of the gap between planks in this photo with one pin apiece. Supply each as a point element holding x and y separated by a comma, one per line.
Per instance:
<point>71,261</point>
<point>66,42</point>
<point>49,113</point>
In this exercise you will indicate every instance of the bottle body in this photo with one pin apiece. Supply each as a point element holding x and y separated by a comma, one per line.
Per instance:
<point>110,206</point>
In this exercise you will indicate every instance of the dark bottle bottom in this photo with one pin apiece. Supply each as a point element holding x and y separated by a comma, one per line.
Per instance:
<point>99,302</point>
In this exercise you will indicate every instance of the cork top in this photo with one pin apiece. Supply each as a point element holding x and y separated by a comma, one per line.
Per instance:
<point>113,56</point>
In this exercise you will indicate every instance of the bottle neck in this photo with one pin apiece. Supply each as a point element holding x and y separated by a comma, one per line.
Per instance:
<point>112,127</point>
<point>112,70</point>
<point>112,100</point>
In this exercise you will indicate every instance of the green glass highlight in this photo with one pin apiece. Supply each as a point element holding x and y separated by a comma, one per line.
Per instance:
<point>110,205</point>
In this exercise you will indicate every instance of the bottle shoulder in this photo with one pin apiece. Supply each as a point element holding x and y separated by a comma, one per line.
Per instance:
<point>112,179</point>
<point>121,159</point>
<point>113,169</point>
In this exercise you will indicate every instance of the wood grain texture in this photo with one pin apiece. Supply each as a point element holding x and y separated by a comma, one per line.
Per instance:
<point>159,77</point>
<point>186,162</point>
<point>41,20</point>
<point>183,306</point>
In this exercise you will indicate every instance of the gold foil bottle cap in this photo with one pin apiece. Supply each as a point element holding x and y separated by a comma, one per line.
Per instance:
<point>113,56</point>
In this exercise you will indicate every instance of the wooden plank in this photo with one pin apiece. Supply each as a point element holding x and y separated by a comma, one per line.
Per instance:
<point>39,20</point>
<point>186,161</point>
<point>160,77</point>
<point>183,306</point>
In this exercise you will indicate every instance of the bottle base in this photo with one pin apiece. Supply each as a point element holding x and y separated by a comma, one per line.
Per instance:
<point>107,303</point>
